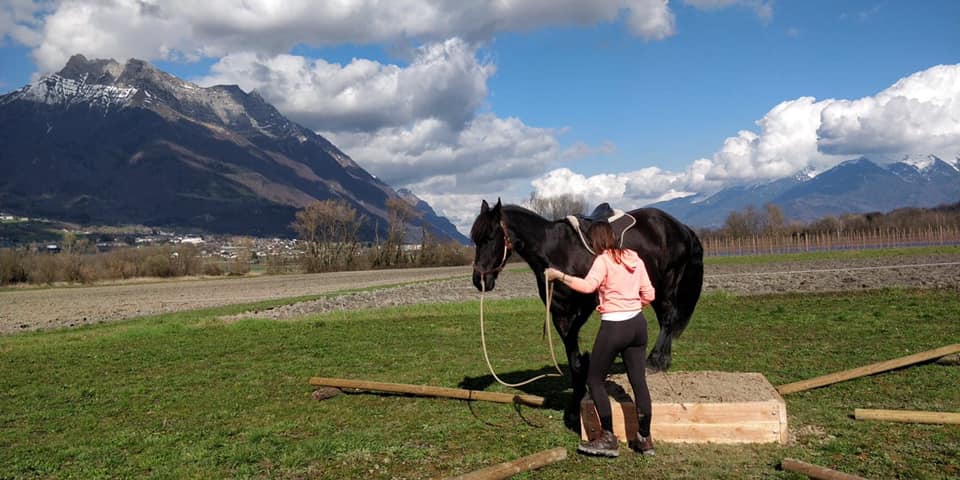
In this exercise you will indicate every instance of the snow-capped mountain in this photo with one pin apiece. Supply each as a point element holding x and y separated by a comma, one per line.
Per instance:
<point>855,186</point>
<point>920,168</point>
<point>111,143</point>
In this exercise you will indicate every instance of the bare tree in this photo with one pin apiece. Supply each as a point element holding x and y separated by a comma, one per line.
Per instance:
<point>557,207</point>
<point>743,224</point>
<point>330,230</point>
<point>773,222</point>
<point>399,214</point>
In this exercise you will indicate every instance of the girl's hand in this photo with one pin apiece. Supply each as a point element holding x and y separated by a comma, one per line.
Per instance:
<point>553,274</point>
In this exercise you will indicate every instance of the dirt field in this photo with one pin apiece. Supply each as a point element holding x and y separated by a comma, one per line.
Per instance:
<point>23,310</point>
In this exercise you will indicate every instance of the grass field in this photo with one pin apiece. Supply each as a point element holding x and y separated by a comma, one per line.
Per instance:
<point>187,396</point>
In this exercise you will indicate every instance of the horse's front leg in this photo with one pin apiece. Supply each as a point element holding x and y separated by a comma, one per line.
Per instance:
<point>579,365</point>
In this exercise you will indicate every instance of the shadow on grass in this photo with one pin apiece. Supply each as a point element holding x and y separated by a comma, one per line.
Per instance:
<point>556,391</point>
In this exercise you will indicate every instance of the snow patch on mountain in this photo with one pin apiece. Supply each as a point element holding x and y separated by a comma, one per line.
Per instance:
<point>56,90</point>
<point>920,162</point>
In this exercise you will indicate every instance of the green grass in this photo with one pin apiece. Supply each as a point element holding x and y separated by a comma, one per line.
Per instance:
<point>186,395</point>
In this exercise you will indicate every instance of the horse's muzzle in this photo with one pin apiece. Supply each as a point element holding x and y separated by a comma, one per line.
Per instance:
<point>489,281</point>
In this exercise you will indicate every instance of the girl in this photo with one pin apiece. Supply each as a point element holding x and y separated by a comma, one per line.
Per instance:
<point>624,288</point>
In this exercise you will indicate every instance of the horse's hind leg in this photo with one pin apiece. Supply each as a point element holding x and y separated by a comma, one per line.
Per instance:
<point>661,356</point>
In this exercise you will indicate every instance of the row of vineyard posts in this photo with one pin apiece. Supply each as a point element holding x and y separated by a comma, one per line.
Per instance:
<point>757,232</point>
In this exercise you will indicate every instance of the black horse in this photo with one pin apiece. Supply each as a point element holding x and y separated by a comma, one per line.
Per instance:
<point>670,250</point>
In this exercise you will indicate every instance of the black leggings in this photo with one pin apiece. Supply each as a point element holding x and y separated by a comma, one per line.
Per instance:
<point>627,338</point>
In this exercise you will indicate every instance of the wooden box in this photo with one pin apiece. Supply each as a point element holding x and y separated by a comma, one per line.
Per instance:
<point>698,407</point>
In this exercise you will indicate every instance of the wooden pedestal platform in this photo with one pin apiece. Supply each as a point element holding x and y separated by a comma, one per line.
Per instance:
<point>698,407</point>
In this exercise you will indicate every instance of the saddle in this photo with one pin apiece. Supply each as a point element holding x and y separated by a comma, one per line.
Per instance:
<point>618,219</point>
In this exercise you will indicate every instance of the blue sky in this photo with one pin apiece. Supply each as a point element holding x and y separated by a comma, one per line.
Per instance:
<point>623,100</point>
<point>666,103</point>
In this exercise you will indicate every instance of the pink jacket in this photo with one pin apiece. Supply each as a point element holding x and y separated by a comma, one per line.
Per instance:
<point>623,287</point>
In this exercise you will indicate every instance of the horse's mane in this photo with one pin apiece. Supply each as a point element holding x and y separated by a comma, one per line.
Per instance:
<point>483,228</point>
<point>522,210</point>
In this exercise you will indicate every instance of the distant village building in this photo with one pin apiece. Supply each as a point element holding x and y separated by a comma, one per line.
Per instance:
<point>192,240</point>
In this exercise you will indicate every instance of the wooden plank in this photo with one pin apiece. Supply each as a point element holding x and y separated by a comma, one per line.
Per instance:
<point>768,410</point>
<point>815,471</point>
<point>735,422</point>
<point>428,391</point>
<point>523,464</point>
<point>748,432</point>
<point>907,416</point>
<point>784,429</point>
<point>871,369</point>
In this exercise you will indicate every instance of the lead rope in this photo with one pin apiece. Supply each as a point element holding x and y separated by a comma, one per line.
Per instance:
<point>546,326</point>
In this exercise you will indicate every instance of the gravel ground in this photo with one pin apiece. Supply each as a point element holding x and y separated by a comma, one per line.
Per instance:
<point>819,276</point>
<point>34,309</point>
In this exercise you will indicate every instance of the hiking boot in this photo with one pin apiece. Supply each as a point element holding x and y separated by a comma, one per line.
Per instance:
<point>643,445</point>
<point>606,445</point>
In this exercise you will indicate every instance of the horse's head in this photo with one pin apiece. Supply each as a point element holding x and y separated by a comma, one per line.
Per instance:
<point>493,248</point>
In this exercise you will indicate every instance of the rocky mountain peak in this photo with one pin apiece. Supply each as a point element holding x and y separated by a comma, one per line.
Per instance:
<point>135,73</point>
<point>98,71</point>
<point>105,83</point>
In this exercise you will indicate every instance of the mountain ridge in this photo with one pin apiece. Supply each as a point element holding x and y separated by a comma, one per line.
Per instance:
<point>858,185</point>
<point>109,143</point>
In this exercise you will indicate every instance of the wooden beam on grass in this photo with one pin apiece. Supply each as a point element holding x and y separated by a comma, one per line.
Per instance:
<point>509,469</point>
<point>815,471</point>
<point>906,416</point>
<point>428,391</point>
<point>868,370</point>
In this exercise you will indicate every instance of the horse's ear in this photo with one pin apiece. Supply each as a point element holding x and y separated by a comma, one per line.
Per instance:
<point>484,207</point>
<point>496,210</point>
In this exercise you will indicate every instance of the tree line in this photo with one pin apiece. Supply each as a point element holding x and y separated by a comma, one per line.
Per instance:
<point>328,238</point>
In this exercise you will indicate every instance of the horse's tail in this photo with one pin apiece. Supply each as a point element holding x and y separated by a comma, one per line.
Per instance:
<point>690,286</point>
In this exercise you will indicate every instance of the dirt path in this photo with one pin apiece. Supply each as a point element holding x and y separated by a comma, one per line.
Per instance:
<point>34,309</point>
<point>22,310</point>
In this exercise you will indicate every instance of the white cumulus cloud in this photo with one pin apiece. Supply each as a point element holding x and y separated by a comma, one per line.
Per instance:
<point>432,157</point>
<point>445,81</point>
<point>186,29</point>
<point>594,189</point>
<point>918,114</point>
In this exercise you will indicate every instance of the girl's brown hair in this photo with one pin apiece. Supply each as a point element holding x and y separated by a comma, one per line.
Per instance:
<point>600,235</point>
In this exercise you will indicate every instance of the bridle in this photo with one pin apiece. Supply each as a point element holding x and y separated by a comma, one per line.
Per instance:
<point>507,247</point>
